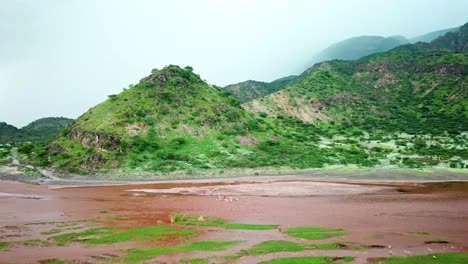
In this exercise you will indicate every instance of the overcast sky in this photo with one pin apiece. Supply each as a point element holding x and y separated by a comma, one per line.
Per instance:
<point>61,57</point>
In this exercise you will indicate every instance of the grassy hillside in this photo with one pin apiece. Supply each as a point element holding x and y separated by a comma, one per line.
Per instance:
<point>414,92</point>
<point>249,90</point>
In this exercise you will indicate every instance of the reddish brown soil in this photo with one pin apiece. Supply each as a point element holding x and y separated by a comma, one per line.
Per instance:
<point>380,217</point>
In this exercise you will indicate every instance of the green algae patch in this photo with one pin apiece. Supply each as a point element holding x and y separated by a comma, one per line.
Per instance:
<point>439,258</point>
<point>111,235</point>
<point>195,220</point>
<point>248,226</point>
<point>315,233</point>
<point>4,245</point>
<point>150,233</point>
<point>83,236</point>
<point>309,260</point>
<point>140,255</point>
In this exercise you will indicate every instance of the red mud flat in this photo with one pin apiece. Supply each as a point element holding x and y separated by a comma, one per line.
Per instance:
<point>373,214</point>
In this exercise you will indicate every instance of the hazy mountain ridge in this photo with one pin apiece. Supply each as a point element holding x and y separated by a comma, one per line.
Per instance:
<point>358,47</point>
<point>348,49</point>
<point>428,37</point>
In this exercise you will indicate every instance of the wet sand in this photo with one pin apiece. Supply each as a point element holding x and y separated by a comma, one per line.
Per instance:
<point>374,213</point>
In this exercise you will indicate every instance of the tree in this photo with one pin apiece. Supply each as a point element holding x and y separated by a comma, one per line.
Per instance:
<point>153,71</point>
<point>189,68</point>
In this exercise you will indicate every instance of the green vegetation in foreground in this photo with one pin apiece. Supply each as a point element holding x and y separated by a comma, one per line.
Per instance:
<point>139,255</point>
<point>282,245</point>
<point>183,219</point>
<point>4,245</point>
<point>309,260</point>
<point>108,235</point>
<point>439,258</point>
<point>315,233</point>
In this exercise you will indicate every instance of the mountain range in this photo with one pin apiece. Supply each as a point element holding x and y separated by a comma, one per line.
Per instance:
<point>404,107</point>
<point>348,49</point>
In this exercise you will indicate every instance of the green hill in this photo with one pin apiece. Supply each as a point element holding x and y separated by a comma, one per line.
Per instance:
<point>171,120</point>
<point>39,130</point>
<point>8,133</point>
<point>249,90</point>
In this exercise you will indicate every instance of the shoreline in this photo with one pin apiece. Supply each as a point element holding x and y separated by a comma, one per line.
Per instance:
<point>344,174</point>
